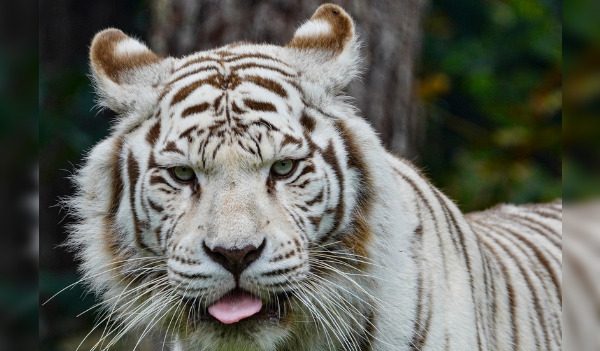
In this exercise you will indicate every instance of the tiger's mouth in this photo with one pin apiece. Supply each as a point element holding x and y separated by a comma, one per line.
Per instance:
<point>239,307</point>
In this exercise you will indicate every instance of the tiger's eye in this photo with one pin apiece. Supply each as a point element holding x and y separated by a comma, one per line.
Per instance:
<point>283,168</point>
<point>182,173</point>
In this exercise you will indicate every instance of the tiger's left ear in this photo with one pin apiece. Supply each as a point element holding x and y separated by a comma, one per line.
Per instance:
<point>325,49</point>
<point>127,75</point>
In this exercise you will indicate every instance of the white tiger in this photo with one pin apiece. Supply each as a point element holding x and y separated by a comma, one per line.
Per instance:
<point>240,203</point>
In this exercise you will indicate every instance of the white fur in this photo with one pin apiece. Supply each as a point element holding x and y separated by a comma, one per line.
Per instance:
<point>313,28</point>
<point>129,46</point>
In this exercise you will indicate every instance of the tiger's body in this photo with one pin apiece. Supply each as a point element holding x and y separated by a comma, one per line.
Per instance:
<point>351,249</point>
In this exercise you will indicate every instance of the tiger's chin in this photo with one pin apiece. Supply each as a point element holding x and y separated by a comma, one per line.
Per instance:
<point>266,341</point>
<point>253,334</point>
<point>264,330</point>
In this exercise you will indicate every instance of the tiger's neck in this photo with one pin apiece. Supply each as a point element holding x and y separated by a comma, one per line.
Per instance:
<point>428,255</point>
<point>424,254</point>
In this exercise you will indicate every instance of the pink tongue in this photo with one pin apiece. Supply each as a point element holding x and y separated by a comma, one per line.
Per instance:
<point>235,307</point>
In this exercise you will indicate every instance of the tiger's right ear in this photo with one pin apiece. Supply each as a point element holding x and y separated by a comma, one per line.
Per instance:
<point>325,49</point>
<point>127,75</point>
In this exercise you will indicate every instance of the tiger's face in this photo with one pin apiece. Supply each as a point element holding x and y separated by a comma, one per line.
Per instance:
<point>235,182</point>
<point>237,199</point>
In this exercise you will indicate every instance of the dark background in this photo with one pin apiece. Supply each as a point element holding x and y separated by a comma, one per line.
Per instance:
<point>475,99</point>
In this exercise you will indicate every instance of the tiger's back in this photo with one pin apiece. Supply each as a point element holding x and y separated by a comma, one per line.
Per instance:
<point>522,246</point>
<point>504,263</point>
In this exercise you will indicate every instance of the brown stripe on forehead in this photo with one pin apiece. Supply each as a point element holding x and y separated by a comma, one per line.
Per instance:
<point>190,73</point>
<point>195,109</point>
<point>235,108</point>
<point>153,133</point>
<point>257,65</point>
<point>172,147</point>
<point>259,56</point>
<point>297,87</point>
<point>260,105</point>
<point>224,53</point>
<point>307,122</point>
<point>197,60</point>
<point>188,132</point>
<point>190,88</point>
<point>263,123</point>
<point>268,84</point>
<point>288,139</point>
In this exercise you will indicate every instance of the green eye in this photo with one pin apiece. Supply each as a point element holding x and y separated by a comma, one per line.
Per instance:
<point>283,168</point>
<point>182,173</point>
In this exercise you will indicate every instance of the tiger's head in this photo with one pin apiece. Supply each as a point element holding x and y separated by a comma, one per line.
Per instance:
<point>229,206</point>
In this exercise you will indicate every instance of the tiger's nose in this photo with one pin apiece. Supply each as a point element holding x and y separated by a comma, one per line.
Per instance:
<point>235,260</point>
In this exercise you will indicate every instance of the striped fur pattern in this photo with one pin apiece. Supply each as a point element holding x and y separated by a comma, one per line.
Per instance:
<point>359,252</point>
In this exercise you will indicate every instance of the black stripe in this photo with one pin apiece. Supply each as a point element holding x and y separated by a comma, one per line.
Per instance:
<point>552,234</point>
<point>267,84</point>
<point>315,199</point>
<point>544,231</point>
<point>467,258</point>
<point>190,275</point>
<point>493,343</point>
<point>156,207</point>
<point>511,297</point>
<point>450,228</point>
<point>434,219</point>
<point>540,257</point>
<point>258,56</point>
<point>133,173</point>
<point>153,133</point>
<point>172,147</point>
<point>330,157</point>
<point>197,60</point>
<point>282,271</point>
<point>196,71</point>
<point>417,253</point>
<point>190,88</point>
<point>250,65</point>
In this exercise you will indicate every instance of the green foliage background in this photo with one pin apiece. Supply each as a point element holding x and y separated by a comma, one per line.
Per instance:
<point>491,81</point>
